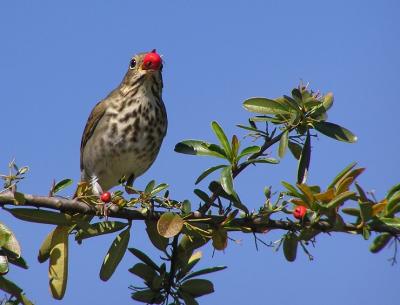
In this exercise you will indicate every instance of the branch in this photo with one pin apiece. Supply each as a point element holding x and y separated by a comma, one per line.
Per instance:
<point>267,144</point>
<point>254,223</point>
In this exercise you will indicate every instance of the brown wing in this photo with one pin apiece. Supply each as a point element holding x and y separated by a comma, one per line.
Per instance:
<point>94,118</point>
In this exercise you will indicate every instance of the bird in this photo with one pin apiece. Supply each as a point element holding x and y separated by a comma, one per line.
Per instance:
<point>125,130</point>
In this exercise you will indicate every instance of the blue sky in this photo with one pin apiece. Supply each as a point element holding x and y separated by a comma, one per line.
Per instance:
<point>58,58</point>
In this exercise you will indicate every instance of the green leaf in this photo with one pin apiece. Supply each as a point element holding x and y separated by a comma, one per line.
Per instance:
<point>18,261</point>
<point>295,149</point>
<point>222,139</point>
<point>208,172</point>
<point>235,147</point>
<point>202,195</point>
<point>197,287</point>
<point>204,271</point>
<point>220,239</point>
<point>324,106</point>
<point>186,206</point>
<point>45,248</point>
<point>261,160</point>
<point>249,151</point>
<point>143,271</point>
<point>393,191</point>
<point>338,200</point>
<point>365,210</point>
<point>290,102</point>
<point>342,174</point>
<point>283,144</point>
<point>58,266</point>
<point>188,299</point>
<point>159,188</point>
<point>351,211</point>
<point>114,255</point>
<point>3,264</point>
<point>61,185</point>
<point>296,93</point>
<point>149,187</point>
<point>187,266</point>
<point>100,228</point>
<point>290,247</point>
<point>335,131</point>
<point>169,224</point>
<point>304,162</point>
<point>227,180</point>
<point>265,106</point>
<point>146,296</point>
<point>196,147</point>
<point>293,191</point>
<point>144,258</point>
<point>10,243</point>
<point>392,222</point>
<point>156,239</point>
<point>380,242</point>
<point>40,216</point>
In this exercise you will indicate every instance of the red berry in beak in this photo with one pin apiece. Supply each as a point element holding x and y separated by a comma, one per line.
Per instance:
<point>105,197</point>
<point>299,212</point>
<point>152,61</point>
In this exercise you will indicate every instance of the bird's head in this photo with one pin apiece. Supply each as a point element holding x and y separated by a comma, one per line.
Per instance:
<point>144,68</point>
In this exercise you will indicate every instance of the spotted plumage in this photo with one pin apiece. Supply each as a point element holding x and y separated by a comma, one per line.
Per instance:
<point>125,130</point>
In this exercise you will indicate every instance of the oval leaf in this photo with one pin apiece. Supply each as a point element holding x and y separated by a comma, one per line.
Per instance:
<point>197,287</point>
<point>3,264</point>
<point>100,228</point>
<point>380,242</point>
<point>58,266</point>
<point>41,216</point>
<point>283,144</point>
<point>196,147</point>
<point>219,132</point>
<point>304,161</point>
<point>44,251</point>
<point>290,247</point>
<point>249,151</point>
<point>220,239</point>
<point>207,172</point>
<point>146,296</point>
<point>114,255</point>
<point>169,225</point>
<point>227,180</point>
<point>265,106</point>
<point>204,271</point>
<point>143,271</point>
<point>144,258</point>
<point>61,185</point>
<point>11,244</point>
<point>156,239</point>
<point>335,131</point>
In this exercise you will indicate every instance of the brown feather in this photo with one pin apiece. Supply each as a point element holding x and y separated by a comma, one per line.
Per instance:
<point>94,118</point>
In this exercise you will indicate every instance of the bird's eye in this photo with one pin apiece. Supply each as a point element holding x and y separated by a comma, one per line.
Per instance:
<point>132,64</point>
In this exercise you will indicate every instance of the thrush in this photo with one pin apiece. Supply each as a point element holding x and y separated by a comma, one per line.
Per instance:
<point>124,131</point>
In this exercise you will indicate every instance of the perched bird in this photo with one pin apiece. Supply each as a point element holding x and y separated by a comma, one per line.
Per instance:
<point>124,131</point>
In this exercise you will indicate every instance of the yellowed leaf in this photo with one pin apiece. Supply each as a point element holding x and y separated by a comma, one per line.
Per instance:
<point>379,207</point>
<point>344,185</point>
<point>58,266</point>
<point>326,196</point>
<point>307,192</point>
<point>220,239</point>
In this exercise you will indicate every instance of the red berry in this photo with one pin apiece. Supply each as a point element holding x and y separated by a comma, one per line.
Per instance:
<point>105,197</point>
<point>299,212</point>
<point>152,61</point>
